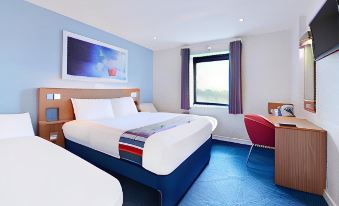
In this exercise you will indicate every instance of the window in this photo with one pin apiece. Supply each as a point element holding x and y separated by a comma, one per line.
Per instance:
<point>211,81</point>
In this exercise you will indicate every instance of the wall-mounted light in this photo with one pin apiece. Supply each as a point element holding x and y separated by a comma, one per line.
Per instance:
<point>305,39</point>
<point>309,41</point>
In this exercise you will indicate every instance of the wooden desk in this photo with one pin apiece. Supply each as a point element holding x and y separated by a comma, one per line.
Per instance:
<point>300,155</point>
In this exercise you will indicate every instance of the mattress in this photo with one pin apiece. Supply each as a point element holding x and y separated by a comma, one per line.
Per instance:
<point>35,172</point>
<point>163,152</point>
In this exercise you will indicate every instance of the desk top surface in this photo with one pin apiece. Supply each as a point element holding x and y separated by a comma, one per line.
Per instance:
<point>300,123</point>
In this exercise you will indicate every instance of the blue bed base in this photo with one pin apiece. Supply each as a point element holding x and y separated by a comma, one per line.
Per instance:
<point>171,187</point>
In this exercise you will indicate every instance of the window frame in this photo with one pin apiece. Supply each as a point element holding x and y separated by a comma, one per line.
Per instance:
<point>211,58</point>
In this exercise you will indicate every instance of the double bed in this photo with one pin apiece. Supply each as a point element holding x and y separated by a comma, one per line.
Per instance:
<point>163,152</point>
<point>172,158</point>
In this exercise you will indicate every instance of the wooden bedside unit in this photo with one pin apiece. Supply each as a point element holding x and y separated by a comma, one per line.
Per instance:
<point>52,131</point>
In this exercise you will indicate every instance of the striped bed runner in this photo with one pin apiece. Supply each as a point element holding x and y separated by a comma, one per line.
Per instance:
<point>131,143</point>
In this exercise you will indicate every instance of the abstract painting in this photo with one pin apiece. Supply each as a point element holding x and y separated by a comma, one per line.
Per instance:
<point>91,60</point>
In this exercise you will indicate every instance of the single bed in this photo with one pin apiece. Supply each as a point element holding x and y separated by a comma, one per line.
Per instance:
<point>172,159</point>
<point>35,172</point>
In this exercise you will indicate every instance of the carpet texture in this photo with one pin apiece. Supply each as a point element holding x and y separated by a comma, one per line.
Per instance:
<point>227,181</point>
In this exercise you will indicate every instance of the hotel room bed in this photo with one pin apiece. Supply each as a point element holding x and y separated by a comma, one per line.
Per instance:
<point>107,122</point>
<point>163,152</point>
<point>172,159</point>
<point>35,172</point>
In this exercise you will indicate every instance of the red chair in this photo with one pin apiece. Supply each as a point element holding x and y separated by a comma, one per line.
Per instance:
<point>261,132</point>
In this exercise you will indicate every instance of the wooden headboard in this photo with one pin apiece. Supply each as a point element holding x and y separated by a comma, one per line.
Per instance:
<point>64,104</point>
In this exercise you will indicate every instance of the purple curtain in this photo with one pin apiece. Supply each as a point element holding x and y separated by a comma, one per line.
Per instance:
<point>235,95</point>
<point>185,61</point>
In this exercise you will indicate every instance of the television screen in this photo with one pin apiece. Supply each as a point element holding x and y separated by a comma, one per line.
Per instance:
<point>325,30</point>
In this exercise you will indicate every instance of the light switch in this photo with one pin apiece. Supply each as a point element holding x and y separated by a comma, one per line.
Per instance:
<point>49,96</point>
<point>134,94</point>
<point>57,96</point>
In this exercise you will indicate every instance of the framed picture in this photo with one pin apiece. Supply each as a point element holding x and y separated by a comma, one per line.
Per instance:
<point>91,60</point>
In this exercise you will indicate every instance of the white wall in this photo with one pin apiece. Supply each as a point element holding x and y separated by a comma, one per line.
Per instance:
<point>266,70</point>
<point>266,77</point>
<point>327,95</point>
<point>166,80</point>
<point>327,117</point>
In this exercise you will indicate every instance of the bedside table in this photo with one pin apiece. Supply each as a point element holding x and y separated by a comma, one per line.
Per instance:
<point>52,131</point>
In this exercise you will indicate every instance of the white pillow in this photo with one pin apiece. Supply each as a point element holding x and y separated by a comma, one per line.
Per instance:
<point>147,107</point>
<point>124,106</point>
<point>92,109</point>
<point>15,125</point>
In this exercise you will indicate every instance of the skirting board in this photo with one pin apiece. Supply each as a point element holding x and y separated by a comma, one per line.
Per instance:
<point>329,199</point>
<point>230,139</point>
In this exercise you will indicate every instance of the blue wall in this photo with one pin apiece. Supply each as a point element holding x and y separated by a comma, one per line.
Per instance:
<point>31,55</point>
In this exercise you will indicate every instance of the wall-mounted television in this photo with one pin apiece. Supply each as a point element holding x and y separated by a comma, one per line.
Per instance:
<point>325,30</point>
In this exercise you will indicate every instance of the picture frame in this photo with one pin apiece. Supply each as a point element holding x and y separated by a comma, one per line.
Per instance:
<point>86,59</point>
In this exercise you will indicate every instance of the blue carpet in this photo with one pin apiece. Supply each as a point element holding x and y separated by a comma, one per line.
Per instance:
<point>227,181</point>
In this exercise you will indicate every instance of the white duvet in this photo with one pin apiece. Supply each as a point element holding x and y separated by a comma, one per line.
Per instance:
<point>163,152</point>
<point>35,172</point>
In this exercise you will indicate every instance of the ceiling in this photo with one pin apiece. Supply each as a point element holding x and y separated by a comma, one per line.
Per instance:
<point>180,22</point>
